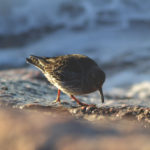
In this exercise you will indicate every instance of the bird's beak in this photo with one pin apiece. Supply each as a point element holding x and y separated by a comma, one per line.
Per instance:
<point>102,96</point>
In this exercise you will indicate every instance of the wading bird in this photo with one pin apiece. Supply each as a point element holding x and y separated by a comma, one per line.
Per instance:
<point>72,74</point>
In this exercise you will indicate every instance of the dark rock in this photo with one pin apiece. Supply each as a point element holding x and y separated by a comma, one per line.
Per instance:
<point>4,88</point>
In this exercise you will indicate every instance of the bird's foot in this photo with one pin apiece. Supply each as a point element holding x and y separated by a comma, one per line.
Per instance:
<point>81,103</point>
<point>88,105</point>
<point>56,101</point>
<point>58,97</point>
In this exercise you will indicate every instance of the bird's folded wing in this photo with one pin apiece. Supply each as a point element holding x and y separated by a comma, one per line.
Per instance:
<point>65,71</point>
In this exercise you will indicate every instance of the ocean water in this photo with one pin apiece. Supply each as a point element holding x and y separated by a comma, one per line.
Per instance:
<point>20,16</point>
<point>115,33</point>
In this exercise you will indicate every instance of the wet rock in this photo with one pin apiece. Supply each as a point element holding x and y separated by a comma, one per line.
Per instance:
<point>25,88</point>
<point>40,124</point>
<point>140,117</point>
<point>4,88</point>
<point>147,112</point>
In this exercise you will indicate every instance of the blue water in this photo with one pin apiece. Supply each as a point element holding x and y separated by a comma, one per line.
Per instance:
<point>21,16</point>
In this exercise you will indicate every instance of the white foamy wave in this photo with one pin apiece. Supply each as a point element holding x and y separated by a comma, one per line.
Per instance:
<point>140,90</point>
<point>22,16</point>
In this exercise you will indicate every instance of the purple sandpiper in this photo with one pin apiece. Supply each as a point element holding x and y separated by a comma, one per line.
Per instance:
<point>72,74</point>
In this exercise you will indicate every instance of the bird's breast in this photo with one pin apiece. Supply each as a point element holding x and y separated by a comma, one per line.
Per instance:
<point>75,87</point>
<point>59,84</point>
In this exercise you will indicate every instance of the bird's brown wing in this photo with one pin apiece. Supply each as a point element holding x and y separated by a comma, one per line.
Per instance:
<point>65,70</point>
<point>70,69</point>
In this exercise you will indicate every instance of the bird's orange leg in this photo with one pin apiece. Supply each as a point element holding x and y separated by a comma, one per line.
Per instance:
<point>80,103</point>
<point>58,96</point>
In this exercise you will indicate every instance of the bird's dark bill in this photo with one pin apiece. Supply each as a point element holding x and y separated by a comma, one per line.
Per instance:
<point>35,61</point>
<point>102,96</point>
<point>29,60</point>
<point>32,60</point>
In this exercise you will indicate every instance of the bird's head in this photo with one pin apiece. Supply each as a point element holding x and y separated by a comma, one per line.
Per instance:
<point>37,61</point>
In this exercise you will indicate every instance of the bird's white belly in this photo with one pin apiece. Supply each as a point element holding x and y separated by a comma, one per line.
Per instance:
<point>56,83</point>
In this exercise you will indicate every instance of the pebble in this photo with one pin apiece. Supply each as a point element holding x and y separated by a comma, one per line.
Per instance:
<point>116,113</point>
<point>4,88</point>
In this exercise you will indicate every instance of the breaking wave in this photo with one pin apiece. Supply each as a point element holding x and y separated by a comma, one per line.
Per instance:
<point>22,16</point>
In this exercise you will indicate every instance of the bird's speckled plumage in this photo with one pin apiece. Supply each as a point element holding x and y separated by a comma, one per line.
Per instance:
<point>73,74</point>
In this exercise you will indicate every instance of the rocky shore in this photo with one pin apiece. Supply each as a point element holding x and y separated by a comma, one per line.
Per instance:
<point>27,124</point>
